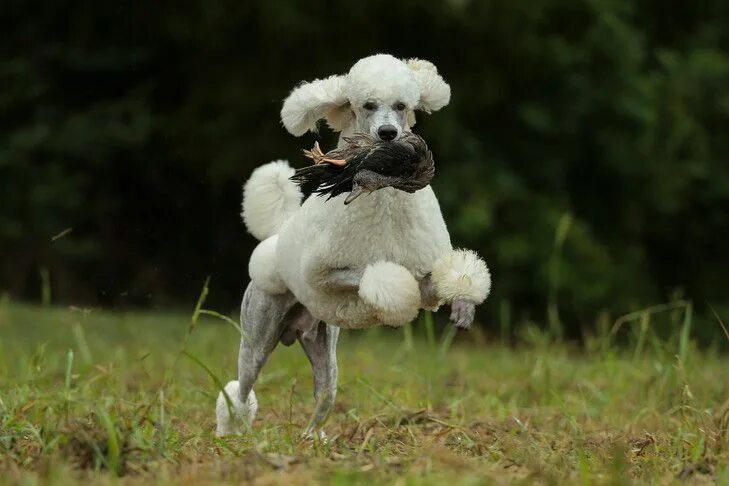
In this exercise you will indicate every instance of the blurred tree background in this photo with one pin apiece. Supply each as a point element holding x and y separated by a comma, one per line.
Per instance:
<point>584,153</point>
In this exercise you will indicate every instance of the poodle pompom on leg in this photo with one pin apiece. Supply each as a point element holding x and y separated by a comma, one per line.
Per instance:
<point>392,291</point>
<point>234,420</point>
<point>462,278</point>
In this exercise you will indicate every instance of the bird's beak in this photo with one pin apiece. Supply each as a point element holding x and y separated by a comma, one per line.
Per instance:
<point>357,191</point>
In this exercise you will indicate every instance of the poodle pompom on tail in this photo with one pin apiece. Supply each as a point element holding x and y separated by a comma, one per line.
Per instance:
<point>269,198</point>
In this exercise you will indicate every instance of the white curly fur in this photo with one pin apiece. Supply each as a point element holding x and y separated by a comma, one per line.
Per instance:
<point>262,267</point>
<point>434,92</point>
<point>387,225</point>
<point>242,413</point>
<point>269,198</point>
<point>381,77</point>
<point>461,274</point>
<point>310,102</point>
<point>392,291</point>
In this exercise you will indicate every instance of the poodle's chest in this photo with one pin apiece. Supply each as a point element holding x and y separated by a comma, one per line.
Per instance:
<point>393,226</point>
<point>379,232</point>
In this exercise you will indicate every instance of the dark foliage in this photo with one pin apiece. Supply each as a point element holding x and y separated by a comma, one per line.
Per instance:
<point>584,152</point>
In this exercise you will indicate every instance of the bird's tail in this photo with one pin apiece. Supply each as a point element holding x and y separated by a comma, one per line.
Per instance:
<point>269,199</point>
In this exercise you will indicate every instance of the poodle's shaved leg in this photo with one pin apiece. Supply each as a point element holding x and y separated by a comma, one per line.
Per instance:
<point>463,311</point>
<point>428,294</point>
<point>322,353</point>
<point>263,317</point>
<point>262,322</point>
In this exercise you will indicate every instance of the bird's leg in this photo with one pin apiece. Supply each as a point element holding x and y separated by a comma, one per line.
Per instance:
<point>319,157</point>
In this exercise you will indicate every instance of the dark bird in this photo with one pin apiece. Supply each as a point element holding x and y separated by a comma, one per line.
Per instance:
<point>365,164</point>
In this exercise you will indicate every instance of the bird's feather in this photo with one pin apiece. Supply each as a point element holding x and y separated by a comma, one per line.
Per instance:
<point>406,164</point>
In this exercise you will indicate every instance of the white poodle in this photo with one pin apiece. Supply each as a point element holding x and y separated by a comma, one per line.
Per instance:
<point>322,265</point>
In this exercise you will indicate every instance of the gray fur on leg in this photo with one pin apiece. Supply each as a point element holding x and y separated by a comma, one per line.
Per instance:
<point>463,312</point>
<point>428,294</point>
<point>322,353</point>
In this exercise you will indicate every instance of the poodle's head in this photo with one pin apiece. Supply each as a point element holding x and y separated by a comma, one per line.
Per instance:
<point>378,96</point>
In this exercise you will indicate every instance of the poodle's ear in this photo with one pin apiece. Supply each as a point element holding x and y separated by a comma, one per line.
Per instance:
<point>434,92</point>
<point>341,116</point>
<point>310,102</point>
<point>411,118</point>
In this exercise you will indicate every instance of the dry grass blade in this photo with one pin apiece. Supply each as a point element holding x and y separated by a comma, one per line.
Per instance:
<point>721,323</point>
<point>655,309</point>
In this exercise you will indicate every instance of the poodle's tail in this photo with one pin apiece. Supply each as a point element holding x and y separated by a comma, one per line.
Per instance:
<point>269,198</point>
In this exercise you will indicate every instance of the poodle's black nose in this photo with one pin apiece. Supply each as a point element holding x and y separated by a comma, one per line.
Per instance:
<point>387,132</point>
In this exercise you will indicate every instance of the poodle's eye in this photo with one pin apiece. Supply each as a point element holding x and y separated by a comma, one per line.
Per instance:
<point>370,106</point>
<point>400,106</point>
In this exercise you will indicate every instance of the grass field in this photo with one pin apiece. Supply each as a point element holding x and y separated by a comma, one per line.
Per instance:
<point>104,397</point>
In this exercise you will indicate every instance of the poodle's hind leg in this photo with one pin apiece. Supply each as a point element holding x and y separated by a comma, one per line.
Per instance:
<point>262,322</point>
<point>321,349</point>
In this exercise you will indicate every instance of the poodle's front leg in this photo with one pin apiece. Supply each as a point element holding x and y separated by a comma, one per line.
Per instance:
<point>463,279</point>
<point>389,289</point>
<point>341,279</point>
<point>463,310</point>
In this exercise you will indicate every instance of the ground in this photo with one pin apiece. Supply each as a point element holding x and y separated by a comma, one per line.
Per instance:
<point>87,395</point>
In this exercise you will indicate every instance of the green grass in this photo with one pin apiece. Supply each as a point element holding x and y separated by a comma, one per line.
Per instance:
<point>105,397</point>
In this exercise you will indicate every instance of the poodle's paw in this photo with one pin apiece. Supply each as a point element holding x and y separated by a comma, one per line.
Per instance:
<point>392,291</point>
<point>315,436</point>
<point>240,415</point>
<point>461,274</point>
<point>462,313</point>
